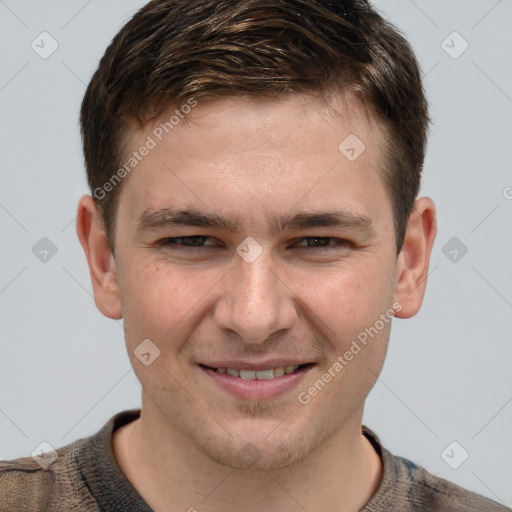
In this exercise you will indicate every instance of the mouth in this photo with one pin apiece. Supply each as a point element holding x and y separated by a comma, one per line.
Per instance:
<point>257,383</point>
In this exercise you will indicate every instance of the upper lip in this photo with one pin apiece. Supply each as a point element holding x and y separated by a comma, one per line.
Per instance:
<point>255,366</point>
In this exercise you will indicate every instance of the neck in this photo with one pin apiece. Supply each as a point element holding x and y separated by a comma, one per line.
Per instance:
<point>170,473</point>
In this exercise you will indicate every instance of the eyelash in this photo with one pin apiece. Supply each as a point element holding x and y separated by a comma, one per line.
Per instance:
<point>175,244</point>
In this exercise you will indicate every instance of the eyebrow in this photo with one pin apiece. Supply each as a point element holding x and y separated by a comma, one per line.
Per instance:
<point>168,217</point>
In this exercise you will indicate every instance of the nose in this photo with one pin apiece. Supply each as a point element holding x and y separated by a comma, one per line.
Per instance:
<point>257,302</point>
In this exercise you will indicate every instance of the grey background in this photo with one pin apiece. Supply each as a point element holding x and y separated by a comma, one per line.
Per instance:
<point>63,367</point>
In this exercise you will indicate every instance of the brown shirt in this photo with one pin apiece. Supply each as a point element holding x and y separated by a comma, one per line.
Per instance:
<point>85,478</point>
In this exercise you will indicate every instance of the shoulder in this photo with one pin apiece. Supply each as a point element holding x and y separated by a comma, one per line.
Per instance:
<point>408,487</point>
<point>427,492</point>
<point>41,484</point>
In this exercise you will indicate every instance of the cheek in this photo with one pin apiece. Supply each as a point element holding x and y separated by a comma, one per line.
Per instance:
<point>165,302</point>
<point>355,313</point>
<point>347,300</point>
<point>155,298</point>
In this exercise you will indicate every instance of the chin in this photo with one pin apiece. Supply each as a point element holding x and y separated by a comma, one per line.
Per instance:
<point>250,457</point>
<point>259,453</point>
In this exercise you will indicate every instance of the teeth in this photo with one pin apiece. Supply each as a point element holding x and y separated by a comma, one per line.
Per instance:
<point>264,374</point>
<point>278,372</point>
<point>260,374</point>
<point>234,373</point>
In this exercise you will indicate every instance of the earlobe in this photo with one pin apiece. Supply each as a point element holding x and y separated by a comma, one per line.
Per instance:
<point>102,269</point>
<point>413,260</point>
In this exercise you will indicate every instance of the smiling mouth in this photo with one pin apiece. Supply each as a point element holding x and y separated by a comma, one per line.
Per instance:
<point>265,374</point>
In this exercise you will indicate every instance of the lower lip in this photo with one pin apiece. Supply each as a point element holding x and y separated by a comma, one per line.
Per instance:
<point>257,389</point>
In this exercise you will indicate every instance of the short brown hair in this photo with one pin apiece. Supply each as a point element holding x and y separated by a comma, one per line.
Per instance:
<point>174,50</point>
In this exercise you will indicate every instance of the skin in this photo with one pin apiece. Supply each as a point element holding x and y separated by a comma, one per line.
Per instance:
<point>254,159</point>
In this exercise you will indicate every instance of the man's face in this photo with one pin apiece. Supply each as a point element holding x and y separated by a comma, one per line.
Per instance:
<point>296,294</point>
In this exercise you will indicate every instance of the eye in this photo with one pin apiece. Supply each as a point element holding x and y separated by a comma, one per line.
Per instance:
<point>183,243</point>
<point>196,242</point>
<point>321,242</point>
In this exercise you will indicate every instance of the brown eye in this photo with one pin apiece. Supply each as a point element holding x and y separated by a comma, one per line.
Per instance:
<point>321,242</point>
<point>185,242</point>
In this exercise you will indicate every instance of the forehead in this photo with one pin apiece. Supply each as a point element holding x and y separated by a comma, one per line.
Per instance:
<point>270,153</point>
<point>265,124</point>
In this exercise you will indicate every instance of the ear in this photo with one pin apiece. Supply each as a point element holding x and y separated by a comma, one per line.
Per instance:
<point>89,228</point>
<point>414,258</point>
